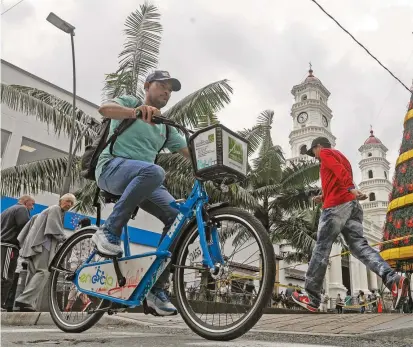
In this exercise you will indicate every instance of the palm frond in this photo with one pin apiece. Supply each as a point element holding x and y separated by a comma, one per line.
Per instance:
<point>43,175</point>
<point>265,119</point>
<point>46,108</point>
<point>205,101</point>
<point>206,120</point>
<point>298,229</point>
<point>140,54</point>
<point>294,198</point>
<point>267,168</point>
<point>85,196</point>
<point>297,257</point>
<point>260,133</point>
<point>120,83</point>
<point>301,174</point>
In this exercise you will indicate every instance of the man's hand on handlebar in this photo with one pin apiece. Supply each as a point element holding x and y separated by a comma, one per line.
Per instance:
<point>146,113</point>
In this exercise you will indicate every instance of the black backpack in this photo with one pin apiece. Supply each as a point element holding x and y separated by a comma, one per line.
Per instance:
<point>90,158</point>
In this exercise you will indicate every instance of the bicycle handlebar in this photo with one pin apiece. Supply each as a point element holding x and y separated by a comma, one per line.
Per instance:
<point>169,122</point>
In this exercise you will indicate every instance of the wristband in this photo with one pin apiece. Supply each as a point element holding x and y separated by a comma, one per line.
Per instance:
<point>350,188</point>
<point>133,114</point>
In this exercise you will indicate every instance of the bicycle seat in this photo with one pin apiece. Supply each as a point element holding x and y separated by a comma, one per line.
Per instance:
<point>109,197</point>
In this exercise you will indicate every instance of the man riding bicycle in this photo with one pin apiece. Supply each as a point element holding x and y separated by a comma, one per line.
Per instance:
<point>132,174</point>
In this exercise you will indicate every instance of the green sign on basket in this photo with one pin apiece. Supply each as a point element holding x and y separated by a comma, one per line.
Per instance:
<point>235,150</point>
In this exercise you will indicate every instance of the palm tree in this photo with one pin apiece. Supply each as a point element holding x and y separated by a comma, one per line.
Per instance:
<point>139,57</point>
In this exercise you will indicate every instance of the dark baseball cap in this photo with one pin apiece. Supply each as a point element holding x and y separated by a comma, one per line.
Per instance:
<point>161,75</point>
<point>318,141</point>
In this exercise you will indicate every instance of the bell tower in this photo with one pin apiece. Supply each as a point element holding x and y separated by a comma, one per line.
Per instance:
<point>311,115</point>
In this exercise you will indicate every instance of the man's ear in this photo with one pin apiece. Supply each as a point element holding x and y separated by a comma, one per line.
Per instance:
<point>146,86</point>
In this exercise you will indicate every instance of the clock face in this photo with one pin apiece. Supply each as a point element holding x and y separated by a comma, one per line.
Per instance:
<point>325,121</point>
<point>301,118</point>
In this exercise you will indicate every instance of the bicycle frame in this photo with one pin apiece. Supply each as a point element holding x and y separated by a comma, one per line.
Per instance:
<point>211,251</point>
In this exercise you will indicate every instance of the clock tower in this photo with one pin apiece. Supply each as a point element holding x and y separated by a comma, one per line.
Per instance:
<point>311,115</point>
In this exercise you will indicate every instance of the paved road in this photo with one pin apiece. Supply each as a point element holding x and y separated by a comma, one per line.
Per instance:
<point>50,336</point>
<point>109,336</point>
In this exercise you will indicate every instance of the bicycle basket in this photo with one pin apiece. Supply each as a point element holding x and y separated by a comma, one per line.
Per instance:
<point>219,154</point>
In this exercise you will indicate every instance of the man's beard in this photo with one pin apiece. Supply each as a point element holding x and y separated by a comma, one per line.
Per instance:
<point>158,103</point>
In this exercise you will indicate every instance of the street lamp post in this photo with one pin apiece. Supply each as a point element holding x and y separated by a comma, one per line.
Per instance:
<point>69,29</point>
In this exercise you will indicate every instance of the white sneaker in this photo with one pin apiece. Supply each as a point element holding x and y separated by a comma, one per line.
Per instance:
<point>107,243</point>
<point>159,301</point>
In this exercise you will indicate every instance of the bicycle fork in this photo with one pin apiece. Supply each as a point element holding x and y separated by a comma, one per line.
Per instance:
<point>209,239</point>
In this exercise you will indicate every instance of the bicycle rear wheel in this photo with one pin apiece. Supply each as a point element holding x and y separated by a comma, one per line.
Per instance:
<point>70,310</point>
<point>209,304</point>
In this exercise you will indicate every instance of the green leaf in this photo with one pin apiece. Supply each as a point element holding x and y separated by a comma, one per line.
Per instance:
<point>39,176</point>
<point>206,101</point>
<point>303,173</point>
<point>46,108</point>
<point>85,196</point>
<point>140,54</point>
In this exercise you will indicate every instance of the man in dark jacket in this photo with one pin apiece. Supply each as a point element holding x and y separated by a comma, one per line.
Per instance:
<point>13,220</point>
<point>342,213</point>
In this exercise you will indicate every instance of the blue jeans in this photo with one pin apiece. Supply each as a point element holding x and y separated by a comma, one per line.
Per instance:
<point>346,219</point>
<point>139,184</point>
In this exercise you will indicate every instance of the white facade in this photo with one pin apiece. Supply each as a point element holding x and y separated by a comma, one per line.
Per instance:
<point>375,179</point>
<point>311,119</point>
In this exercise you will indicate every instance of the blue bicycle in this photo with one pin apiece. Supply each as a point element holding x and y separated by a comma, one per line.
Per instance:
<point>217,255</point>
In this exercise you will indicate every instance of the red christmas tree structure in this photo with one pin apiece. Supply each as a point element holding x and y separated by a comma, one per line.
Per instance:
<point>399,219</point>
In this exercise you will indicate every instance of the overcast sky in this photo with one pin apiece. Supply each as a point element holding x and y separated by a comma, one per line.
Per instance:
<point>263,48</point>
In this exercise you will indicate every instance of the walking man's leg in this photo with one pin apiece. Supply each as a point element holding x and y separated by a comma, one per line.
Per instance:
<point>332,220</point>
<point>358,245</point>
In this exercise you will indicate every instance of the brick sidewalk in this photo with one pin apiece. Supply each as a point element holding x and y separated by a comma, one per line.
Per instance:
<point>347,324</point>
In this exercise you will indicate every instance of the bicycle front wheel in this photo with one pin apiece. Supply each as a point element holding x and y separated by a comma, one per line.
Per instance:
<point>225,307</point>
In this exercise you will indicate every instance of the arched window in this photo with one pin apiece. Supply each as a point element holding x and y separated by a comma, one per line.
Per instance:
<point>385,175</point>
<point>303,150</point>
<point>369,154</point>
<point>372,197</point>
<point>304,97</point>
<point>370,173</point>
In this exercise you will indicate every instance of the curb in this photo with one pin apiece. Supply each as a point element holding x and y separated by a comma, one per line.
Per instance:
<point>44,318</point>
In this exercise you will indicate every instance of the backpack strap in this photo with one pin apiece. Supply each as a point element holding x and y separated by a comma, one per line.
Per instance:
<point>164,144</point>
<point>124,125</point>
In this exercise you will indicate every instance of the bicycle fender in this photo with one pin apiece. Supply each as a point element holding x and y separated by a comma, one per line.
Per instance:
<point>57,255</point>
<point>189,226</point>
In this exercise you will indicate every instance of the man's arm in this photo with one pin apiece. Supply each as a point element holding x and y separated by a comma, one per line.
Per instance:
<point>185,152</point>
<point>126,106</point>
<point>21,217</point>
<point>337,168</point>
<point>115,111</point>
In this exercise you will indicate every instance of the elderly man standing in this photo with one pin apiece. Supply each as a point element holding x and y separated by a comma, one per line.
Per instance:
<point>39,248</point>
<point>13,220</point>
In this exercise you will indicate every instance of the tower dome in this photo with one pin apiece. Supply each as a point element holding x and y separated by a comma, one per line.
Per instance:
<point>372,139</point>
<point>311,77</point>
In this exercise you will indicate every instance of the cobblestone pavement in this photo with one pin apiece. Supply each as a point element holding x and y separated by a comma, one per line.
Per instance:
<point>339,324</point>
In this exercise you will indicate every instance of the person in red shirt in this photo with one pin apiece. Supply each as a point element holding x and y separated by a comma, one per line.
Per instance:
<point>342,213</point>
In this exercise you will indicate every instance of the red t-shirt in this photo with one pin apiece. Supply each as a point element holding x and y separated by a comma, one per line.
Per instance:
<point>336,178</point>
